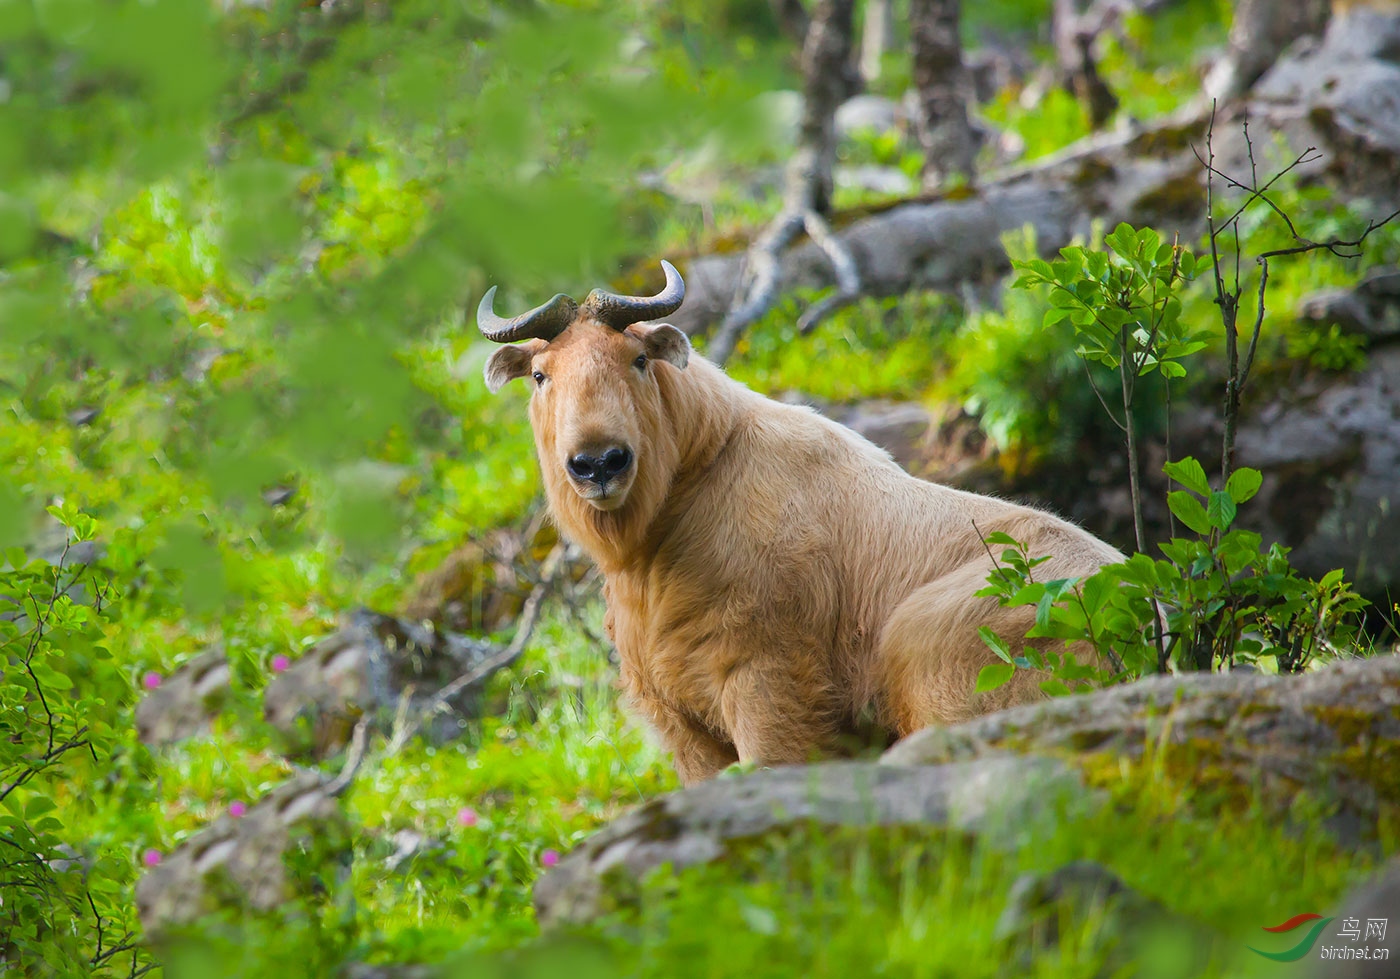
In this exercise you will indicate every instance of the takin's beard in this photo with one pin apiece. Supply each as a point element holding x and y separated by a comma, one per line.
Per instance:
<point>612,538</point>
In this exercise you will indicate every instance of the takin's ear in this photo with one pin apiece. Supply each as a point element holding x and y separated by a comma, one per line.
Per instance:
<point>510,362</point>
<point>665,342</point>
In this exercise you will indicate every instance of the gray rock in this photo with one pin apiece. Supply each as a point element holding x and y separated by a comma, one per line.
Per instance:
<point>898,427</point>
<point>368,667</point>
<point>1364,910</point>
<point>238,861</point>
<point>186,702</point>
<point>870,114</point>
<point>1328,446</point>
<point>1330,455</point>
<point>1334,733</point>
<point>875,179</point>
<point>995,798</point>
<point>1370,308</point>
<point>1343,96</point>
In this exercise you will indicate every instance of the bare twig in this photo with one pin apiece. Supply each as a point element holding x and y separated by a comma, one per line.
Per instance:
<point>978,531</point>
<point>1333,245</point>
<point>356,754</point>
<point>844,265</point>
<point>1093,385</point>
<point>1237,369</point>
<point>758,284</point>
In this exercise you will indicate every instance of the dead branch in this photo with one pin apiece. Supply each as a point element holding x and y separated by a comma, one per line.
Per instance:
<point>1074,35</point>
<point>1237,370</point>
<point>842,263</point>
<point>529,618</point>
<point>353,757</point>
<point>828,79</point>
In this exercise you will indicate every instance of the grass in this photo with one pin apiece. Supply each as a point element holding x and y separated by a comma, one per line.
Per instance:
<point>561,756</point>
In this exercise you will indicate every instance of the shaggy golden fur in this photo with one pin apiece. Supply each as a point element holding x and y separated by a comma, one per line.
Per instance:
<point>771,577</point>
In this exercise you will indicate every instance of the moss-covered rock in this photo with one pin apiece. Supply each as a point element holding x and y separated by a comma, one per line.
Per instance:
<point>1000,797</point>
<point>1233,738</point>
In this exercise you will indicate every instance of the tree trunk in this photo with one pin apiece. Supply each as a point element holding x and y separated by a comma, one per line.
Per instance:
<point>945,135</point>
<point>792,18</point>
<point>1074,33</point>
<point>828,79</point>
<point>1262,29</point>
<point>876,38</point>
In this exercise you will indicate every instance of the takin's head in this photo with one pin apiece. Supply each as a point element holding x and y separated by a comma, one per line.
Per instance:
<point>597,408</point>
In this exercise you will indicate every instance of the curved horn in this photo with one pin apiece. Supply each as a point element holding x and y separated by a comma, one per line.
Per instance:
<point>545,322</point>
<point>620,312</point>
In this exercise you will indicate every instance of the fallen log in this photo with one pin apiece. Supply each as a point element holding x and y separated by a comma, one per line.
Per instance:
<point>1340,96</point>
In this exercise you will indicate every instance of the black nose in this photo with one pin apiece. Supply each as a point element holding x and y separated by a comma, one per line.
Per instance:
<point>600,469</point>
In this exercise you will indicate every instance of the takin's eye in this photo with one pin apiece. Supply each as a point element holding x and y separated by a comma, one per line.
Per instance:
<point>539,378</point>
<point>641,362</point>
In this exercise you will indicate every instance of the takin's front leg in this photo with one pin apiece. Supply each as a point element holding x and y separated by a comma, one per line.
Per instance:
<point>778,713</point>
<point>696,754</point>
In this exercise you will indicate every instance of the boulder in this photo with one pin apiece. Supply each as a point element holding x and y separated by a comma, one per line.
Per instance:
<point>901,428</point>
<point>1239,739</point>
<point>1328,448</point>
<point>872,114</point>
<point>374,665</point>
<point>1333,733</point>
<point>1330,454</point>
<point>1370,308</point>
<point>481,585</point>
<point>1342,95</point>
<point>996,797</point>
<point>186,702</point>
<point>238,861</point>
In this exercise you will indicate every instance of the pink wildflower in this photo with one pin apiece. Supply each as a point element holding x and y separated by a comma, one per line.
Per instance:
<point>466,816</point>
<point>151,680</point>
<point>151,857</point>
<point>549,857</point>
<point>236,808</point>
<point>280,663</point>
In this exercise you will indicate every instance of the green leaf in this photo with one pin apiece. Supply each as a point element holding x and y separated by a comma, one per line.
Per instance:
<point>995,643</point>
<point>1028,595</point>
<point>1221,510</point>
<point>994,675</point>
<point>1243,484</point>
<point>37,806</point>
<point>1055,688</point>
<point>1189,511</point>
<point>1096,591</point>
<point>1188,473</point>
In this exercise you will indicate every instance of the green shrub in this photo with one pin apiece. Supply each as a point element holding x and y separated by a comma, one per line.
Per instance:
<point>66,908</point>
